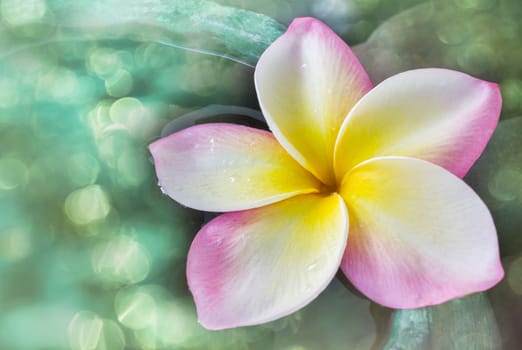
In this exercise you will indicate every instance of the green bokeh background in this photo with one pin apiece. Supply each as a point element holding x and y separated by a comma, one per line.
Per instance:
<point>92,254</point>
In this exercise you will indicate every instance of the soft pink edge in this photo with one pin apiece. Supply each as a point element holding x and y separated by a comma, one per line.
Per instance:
<point>487,124</point>
<point>402,303</point>
<point>201,128</point>
<point>299,27</point>
<point>173,141</point>
<point>303,25</point>
<point>239,217</point>
<point>497,273</point>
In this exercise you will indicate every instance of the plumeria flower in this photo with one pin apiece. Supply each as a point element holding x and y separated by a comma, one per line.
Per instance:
<point>352,176</point>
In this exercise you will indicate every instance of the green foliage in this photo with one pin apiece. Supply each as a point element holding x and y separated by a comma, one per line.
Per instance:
<point>467,323</point>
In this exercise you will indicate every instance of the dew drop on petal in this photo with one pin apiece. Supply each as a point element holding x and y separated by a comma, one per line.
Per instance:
<point>317,264</point>
<point>163,190</point>
<point>311,266</point>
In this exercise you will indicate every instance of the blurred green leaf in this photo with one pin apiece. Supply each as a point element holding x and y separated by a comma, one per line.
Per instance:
<point>456,35</point>
<point>198,25</point>
<point>497,178</point>
<point>410,329</point>
<point>345,321</point>
<point>466,323</point>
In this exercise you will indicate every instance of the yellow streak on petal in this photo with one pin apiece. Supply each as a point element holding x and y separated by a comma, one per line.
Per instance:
<point>226,167</point>
<point>257,265</point>
<point>307,81</point>
<point>418,236</point>
<point>442,116</point>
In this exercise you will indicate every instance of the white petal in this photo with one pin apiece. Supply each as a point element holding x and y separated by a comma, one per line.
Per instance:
<point>418,234</point>
<point>442,116</point>
<point>254,266</point>
<point>224,167</point>
<point>307,81</point>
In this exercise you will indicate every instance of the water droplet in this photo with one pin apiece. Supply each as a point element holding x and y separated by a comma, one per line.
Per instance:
<point>232,179</point>
<point>240,242</point>
<point>303,65</point>
<point>308,287</point>
<point>316,264</point>
<point>212,142</point>
<point>164,191</point>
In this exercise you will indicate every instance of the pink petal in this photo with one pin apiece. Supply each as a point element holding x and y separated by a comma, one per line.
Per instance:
<point>255,266</point>
<point>418,234</point>
<point>439,115</point>
<point>225,167</point>
<point>307,81</point>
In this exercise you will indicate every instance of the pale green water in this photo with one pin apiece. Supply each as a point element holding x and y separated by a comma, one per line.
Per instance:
<point>92,255</point>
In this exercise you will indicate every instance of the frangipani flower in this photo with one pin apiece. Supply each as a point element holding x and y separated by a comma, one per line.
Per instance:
<point>361,178</point>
